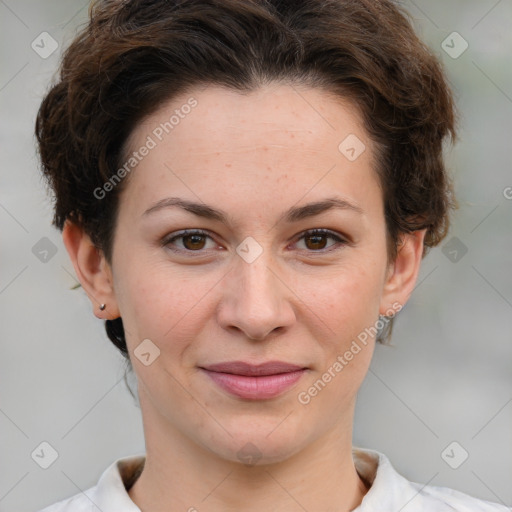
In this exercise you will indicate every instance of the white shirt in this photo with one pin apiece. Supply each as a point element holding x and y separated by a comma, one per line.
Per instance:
<point>389,491</point>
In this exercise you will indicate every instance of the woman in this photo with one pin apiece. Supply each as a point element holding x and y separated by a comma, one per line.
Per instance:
<point>246,190</point>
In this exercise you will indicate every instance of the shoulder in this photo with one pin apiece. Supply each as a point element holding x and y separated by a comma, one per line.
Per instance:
<point>434,498</point>
<point>391,491</point>
<point>77,503</point>
<point>109,494</point>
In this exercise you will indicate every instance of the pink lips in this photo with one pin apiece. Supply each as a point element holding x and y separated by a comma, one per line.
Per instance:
<point>254,382</point>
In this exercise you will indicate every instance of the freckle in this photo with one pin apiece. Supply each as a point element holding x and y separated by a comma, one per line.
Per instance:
<point>228,165</point>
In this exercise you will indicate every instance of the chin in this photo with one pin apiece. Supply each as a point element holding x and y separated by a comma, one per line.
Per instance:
<point>258,447</point>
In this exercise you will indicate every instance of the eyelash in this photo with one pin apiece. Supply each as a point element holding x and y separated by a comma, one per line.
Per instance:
<point>311,232</point>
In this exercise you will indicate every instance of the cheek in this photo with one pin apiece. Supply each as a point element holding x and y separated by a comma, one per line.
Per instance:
<point>164,306</point>
<point>346,299</point>
<point>349,306</point>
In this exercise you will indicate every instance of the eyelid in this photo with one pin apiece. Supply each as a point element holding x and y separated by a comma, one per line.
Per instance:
<point>166,240</point>
<point>340,239</point>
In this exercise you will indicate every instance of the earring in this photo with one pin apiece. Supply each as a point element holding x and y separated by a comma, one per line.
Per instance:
<point>102,307</point>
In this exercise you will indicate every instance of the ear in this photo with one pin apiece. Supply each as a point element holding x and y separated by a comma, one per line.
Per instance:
<point>403,272</point>
<point>92,270</point>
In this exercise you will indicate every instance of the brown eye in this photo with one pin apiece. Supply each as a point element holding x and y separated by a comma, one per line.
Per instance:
<point>191,241</point>
<point>316,240</point>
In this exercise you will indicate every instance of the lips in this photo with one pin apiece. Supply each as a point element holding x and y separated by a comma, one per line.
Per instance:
<point>254,382</point>
<point>241,368</point>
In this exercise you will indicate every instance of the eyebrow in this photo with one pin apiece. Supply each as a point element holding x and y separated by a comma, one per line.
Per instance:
<point>294,214</point>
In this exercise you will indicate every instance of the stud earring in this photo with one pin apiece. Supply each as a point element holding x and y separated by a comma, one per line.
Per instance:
<point>102,307</point>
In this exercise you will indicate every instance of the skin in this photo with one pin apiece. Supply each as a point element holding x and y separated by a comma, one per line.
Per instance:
<point>253,156</point>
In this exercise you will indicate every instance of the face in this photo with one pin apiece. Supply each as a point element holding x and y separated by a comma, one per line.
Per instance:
<point>259,276</point>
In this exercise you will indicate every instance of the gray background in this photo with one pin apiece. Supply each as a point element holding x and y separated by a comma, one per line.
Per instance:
<point>447,377</point>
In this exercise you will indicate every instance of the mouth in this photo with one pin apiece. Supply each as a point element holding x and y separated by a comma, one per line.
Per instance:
<point>254,382</point>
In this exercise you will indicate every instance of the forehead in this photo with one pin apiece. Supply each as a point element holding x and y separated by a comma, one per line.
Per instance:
<point>221,118</point>
<point>280,139</point>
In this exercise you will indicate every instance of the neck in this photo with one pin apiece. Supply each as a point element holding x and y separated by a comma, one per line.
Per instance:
<point>180,475</point>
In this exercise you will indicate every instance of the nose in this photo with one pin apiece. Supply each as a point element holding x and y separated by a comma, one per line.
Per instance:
<point>256,300</point>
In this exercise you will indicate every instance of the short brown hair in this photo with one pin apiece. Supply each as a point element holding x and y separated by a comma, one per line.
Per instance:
<point>133,55</point>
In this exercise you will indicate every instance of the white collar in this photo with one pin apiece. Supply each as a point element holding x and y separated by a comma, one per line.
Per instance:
<point>389,491</point>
